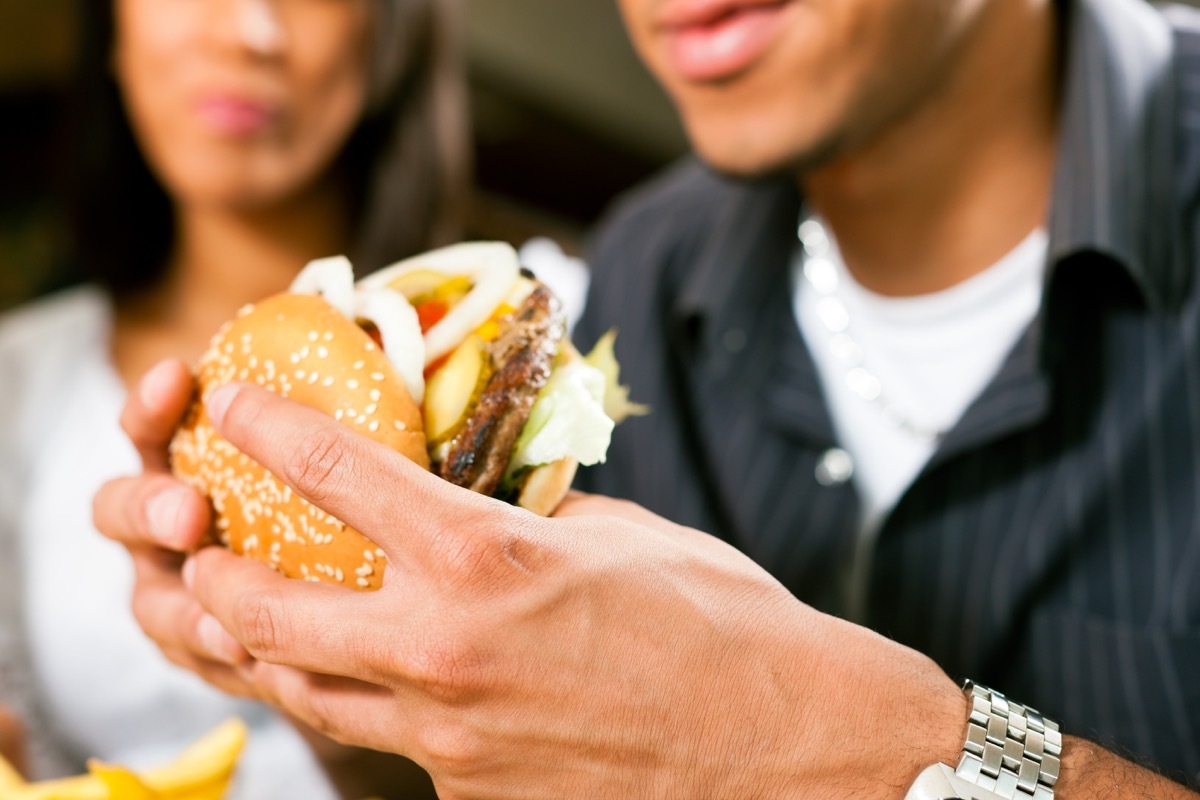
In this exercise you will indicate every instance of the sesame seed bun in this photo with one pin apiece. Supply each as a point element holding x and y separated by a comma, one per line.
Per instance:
<point>301,347</point>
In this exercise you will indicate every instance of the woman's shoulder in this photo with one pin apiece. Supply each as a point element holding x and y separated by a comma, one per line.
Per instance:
<point>52,322</point>
<point>57,314</point>
<point>42,343</point>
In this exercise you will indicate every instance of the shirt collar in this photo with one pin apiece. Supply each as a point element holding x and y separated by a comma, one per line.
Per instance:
<point>1114,190</point>
<point>1113,184</point>
<point>744,258</point>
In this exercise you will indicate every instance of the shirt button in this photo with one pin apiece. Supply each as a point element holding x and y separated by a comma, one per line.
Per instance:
<point>835,467</point>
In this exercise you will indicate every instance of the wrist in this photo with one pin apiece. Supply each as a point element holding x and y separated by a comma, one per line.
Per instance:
<point>944,722</point>
<point>1010,752</point>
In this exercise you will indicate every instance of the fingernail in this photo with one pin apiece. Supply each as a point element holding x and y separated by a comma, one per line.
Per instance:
<point>217,642</point>
<point>218,402</point>
<point>162,513</point>
<point>155,385</point>
<point>188,573</point>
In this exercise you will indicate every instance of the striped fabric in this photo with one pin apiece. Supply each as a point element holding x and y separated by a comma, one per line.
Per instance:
<point>1051,548</point>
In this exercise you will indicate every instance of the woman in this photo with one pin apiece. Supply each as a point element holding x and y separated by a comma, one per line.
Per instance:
<point>224,144</point>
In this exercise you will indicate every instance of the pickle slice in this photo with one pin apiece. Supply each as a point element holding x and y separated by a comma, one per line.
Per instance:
<point>450,390</point>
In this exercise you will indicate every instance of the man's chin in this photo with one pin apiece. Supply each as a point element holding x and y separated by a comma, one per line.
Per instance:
<point>744,162</point>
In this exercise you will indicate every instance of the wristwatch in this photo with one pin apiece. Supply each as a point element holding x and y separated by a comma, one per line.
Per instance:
<point>1012,753</point>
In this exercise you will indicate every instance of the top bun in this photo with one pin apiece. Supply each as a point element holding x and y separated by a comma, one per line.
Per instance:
<point>300,347</point>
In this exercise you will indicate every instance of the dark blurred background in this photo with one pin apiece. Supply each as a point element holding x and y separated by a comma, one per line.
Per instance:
<point>565,117</point>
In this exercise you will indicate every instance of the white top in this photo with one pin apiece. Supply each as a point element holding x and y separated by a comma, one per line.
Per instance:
<point>932,354</point>
<point>105,687</point>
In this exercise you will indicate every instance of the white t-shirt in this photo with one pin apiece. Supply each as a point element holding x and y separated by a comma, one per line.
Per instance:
<point>108,691</point>
<point>931,354</point>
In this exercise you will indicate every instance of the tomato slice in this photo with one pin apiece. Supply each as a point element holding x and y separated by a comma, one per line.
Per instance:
<point>431,312</point>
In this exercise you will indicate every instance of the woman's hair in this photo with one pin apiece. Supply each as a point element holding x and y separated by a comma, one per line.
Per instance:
<point>406,162</point>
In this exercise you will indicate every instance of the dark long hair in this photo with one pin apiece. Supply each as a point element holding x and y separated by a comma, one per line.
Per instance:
<point>406,163</point>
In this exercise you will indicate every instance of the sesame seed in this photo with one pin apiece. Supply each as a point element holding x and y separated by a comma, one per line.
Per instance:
<point>374,426</point>
<point>352,384</point>
<point>363,582</point>
<point>304,351</point>
<point>300,374</point>
<point>328,381</point>
<point>313,336</point>
<point>312,377</point>
<point>328,336</point>
<point>339,414</point>
<point>323,351</point>
<point>371,409</point>
<point>359,364</point>
<point>340,576</point>
<point>400,426</point>
<point>375,395</point>
<point>294,358</point>
<point>377,376</point>
<point>364,571</point>
<point>368,555</point>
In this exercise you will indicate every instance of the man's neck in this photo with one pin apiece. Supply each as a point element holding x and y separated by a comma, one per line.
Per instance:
<point>951,187</point>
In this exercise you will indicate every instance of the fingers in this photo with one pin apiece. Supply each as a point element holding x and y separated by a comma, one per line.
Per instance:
<point>151,510</point>
<point>346,710</point>
<point>155,408</point>
<point>169,615</point>
<point>309,626</point>
<point>391,500</point>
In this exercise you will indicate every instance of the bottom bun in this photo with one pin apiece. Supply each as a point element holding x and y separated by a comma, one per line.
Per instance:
<point>547,485</point>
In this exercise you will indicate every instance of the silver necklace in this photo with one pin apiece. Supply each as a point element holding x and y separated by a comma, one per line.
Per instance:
<point>822,276</point>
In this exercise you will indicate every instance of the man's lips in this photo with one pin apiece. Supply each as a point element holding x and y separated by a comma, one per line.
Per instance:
<point>710,40</point>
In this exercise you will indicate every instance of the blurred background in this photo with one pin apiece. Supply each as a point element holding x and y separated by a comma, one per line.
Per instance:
<point>565,117</point>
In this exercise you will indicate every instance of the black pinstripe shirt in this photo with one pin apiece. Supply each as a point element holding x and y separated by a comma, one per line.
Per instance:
<point>1051,547</point>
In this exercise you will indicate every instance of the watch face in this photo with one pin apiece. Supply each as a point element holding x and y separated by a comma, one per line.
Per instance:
<point>940,783</point>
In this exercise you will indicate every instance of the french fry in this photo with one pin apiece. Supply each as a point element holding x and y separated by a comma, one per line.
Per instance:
<point>202,772</point>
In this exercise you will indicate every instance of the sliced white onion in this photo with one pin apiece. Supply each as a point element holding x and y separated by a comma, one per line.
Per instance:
<point>493,268</point>
<point>400,332</point>
<point>331,278</point>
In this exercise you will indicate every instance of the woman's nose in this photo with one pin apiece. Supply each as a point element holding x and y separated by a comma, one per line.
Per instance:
<point>257,26</point>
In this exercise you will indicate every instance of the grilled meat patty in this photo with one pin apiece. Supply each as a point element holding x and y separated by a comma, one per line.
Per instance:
<point>521,358</point>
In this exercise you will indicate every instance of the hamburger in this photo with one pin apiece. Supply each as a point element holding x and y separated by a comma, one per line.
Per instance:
<point>456,358</point>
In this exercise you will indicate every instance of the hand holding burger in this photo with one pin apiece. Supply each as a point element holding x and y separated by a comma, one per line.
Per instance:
<point>456,358</point>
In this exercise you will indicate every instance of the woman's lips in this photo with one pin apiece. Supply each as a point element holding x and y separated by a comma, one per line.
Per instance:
<point>710,41</point>
<point>236,116</point>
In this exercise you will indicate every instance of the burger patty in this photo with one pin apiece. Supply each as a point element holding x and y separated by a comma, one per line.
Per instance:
<point>521,358</point>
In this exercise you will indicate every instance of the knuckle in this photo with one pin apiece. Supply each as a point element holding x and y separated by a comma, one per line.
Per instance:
<point>450,745</point>
<point>446,669</point>
<point>471,560</point>
<point>319,465</point>
<point>260,625</point>
<point>319,711</point>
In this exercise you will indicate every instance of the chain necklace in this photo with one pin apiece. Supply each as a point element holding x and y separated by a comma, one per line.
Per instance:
<point>833,315</point>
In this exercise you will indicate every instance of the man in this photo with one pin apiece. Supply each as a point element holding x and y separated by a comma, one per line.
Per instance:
<point>1030,521</point>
